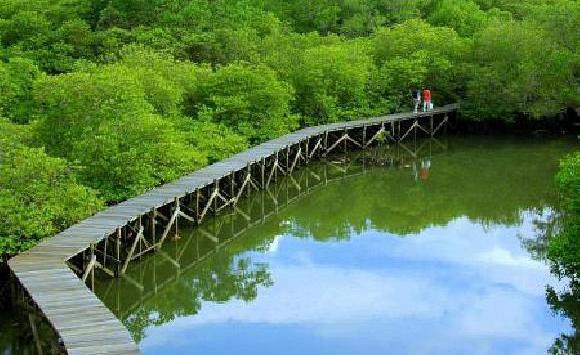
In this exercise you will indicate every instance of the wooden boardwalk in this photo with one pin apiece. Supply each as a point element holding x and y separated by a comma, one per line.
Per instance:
<point>113,238</point>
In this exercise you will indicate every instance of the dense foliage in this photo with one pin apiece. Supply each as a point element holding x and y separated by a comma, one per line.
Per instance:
<point>564,252</point>
<point>117,96</point>
<point>39,194</point>
<point>564,248</point>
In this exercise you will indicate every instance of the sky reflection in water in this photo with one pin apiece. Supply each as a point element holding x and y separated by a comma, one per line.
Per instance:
<point>394,261</point>
<point>461,288</point>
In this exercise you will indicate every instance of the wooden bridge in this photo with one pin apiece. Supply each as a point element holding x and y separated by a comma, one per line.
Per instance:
<point>55,272</point>
<point>132,296</point>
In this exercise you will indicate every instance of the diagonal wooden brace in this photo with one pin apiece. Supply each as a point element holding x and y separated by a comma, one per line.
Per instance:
<point>138,238</point>
<point>413,126</point>
<point>329,149</point>
<point>317,146</point>
<point>275,167</point>
<point>169,225</point>
<point>298,156</point>
<point>376,136</point>
<point>445,120</point>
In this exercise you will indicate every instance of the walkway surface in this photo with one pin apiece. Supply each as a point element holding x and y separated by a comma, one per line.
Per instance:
<point>81,320</point>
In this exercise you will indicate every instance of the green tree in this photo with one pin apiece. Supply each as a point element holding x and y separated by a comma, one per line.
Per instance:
<point>415,54</point>
<point>39,195</point>
<point>330,76</point>
<point>249,99</point>
<point>16,79</point>
<point>564,249</point>
<point>102,122</point>
<point>518,69</point>
<point>561,20</point>
<point>465,17</point>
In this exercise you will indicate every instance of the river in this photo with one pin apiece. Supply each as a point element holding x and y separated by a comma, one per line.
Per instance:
<point>431,247</point>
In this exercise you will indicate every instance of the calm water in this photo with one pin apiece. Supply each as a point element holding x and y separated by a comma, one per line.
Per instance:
<point>441,254</point>
<point>375,254</point>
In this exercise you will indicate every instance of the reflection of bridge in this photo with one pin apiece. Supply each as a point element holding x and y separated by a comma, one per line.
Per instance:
<point>250,212</point>
<point>111,239</point>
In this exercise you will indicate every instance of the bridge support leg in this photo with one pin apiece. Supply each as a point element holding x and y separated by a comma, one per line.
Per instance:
<point>263,173</point>
<point>152,216</point>
<point>32,321</point>
<point>364,137</point>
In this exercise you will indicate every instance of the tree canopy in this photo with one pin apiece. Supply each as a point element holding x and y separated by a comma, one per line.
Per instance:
<point>121,96</point>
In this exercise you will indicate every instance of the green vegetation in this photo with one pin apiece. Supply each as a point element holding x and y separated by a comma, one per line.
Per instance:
<point>388,203</point>
<point>564,248</point>
<point>564,252</point>
<point>39,194</point>
<point>113,97</point>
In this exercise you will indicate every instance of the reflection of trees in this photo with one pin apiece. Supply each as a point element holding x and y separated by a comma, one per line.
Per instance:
<point>564,302</point>
<point>567,304</point>
<point>23,329</point>
<point>204,264</point>
<point>490,185</point>
<point>210,262</point>
<point>545,226</point>
<point>219,278</point>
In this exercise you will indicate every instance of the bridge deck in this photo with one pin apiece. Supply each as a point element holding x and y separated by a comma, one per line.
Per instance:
<point>83,323</point>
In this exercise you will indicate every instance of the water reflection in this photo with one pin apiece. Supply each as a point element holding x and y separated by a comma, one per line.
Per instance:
<point>318,265</point>
<point>23,328</point>
<point>566,302</point>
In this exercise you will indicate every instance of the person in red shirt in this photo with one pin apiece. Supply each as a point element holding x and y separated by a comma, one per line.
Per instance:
<point>425,166</point>
<point>426,99</point>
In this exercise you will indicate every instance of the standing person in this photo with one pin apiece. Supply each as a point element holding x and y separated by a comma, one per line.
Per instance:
<point>426,99</point>
<point>416,96</point>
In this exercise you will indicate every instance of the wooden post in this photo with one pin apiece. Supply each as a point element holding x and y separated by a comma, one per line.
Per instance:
<point>307,150</point>
<point>177,210</point>
<point>232,185</point>
<point>262,203</point>
<point>153,228</point>
<point>249,178</point>
<point>399,130</point>
<point>345,133</point>
<point>276,167</point>
<point>215,200</point>
<point>118,248</point>
<point>140,244</point>
<point>364,138</point>
<point>34,333</point>
<point>197,193</point>
<point>93,261</point>
<point>263,172</point>
<point>105,251</point>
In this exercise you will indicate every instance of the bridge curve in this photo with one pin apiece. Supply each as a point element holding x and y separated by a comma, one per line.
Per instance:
<point>54,273</point>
